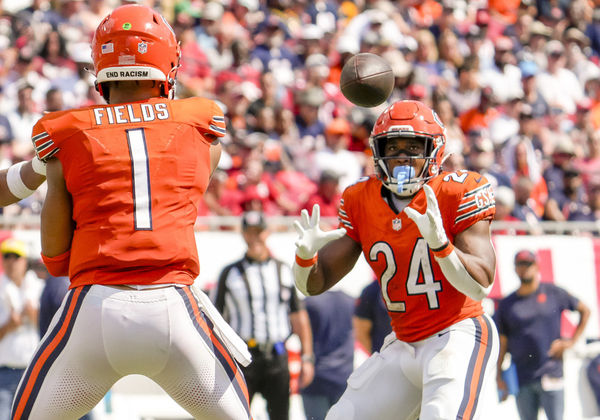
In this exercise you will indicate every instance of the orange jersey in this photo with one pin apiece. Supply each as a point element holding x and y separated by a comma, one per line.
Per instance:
<point>136,172</point>
<point>419,299</point>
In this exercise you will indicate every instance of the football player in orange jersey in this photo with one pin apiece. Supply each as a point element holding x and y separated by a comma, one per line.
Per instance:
<point>425,234</point>
<point>124,182</point>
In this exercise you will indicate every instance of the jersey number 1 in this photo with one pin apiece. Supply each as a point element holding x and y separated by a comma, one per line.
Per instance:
<point>140,179</point>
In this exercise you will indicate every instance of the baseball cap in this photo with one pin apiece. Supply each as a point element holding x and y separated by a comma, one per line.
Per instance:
<point>554,47</point>
<point>528,68</point>
<point>13,246</point>
<point>525,255</point>
<point>338,126</point>
<point>253,219</point>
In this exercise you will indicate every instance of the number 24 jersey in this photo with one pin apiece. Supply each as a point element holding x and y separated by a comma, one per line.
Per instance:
<point>419,299</point>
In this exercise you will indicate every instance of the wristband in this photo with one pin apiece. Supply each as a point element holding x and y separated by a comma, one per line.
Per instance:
<point>443,251</point>
<point>15,182</point>
<point>38,166</point>
<point>306,263</point>
<point>309,358</point>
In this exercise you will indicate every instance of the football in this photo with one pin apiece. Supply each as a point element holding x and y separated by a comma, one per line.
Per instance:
<point>367,80</point>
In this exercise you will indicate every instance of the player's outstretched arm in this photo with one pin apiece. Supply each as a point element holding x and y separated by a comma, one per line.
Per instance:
<point>20,181</point>
<point>469,263</point>
<point>322,258</point>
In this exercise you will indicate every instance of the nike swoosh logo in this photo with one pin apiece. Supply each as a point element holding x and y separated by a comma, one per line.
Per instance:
<point>479,179</point>
<point>444,333</point>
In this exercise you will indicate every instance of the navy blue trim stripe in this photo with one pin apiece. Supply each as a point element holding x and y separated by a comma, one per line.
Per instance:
<point>220,357</point>
<point>471,370</point>
<point>55,353</point>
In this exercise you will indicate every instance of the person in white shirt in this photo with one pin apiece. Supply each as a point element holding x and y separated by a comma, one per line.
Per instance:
<point>20,292</point>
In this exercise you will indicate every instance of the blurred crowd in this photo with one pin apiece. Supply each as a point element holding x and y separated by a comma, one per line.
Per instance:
<point>517,84</point>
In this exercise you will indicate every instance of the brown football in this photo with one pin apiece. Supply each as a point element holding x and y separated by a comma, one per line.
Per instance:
<point>367,80</point>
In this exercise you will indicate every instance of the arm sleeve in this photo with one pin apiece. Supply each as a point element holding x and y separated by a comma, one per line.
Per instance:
<point>59,265</point>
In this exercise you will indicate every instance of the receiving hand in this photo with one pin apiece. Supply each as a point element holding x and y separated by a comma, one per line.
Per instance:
<point>430,223</point>
<point>310,236</point>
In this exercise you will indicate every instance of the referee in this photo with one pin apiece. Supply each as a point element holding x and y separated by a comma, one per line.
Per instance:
<point>256,295</point>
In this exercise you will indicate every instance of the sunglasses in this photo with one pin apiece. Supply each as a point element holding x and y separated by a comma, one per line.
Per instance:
<point>10,255</point>
<point>524,263</point>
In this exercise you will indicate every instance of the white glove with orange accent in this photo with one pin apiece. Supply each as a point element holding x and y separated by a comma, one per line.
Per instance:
<point>310,239</point>
<point>430,223</point>
<point>432,228</point>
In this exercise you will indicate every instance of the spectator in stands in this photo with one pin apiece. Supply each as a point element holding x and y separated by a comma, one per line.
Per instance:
<point>482,114</point>
<point>525,207</point>
<point>558,85</point>
<point>327,195</point>
<point>554,175</point>
<point>507,125</point>
<point>455,138</point>
<point>371,321</point>
<point>589,164</point>
<point>505,203</point>
<point>19,296</point>
<point>256,295</point>
<point>335,157</point>
<point>271,52</point>
<point>520,160</point>
<point>330,316</point>
<point>53,61</point>
<point>529,323</point>
<point>574,192</point>
<point>583,127</point>
<point>539,35</point>
<point>481,158</point>
<point>465,95</point>
<point>309,125</point>
<point>54,100</point>
<point>590,211</point>
<point>22,121</point>
<point>531,93</point>
<point>504,76</point>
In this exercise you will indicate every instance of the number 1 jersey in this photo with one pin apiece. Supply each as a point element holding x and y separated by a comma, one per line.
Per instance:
<point>136,172</point>
<point>419,299</point>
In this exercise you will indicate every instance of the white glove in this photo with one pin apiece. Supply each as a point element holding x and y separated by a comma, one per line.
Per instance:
<point>430,223</point>
<point>310,236</point>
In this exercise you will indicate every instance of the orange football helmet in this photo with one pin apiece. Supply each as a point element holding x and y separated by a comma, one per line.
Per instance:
<point>408,119</point>
<point>135,42</point>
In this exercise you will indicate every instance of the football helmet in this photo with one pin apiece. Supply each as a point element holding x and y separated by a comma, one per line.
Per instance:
<point>408,119</point>
<point>135,42</point>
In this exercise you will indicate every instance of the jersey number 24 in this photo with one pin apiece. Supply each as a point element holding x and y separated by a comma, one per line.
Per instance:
<point>420,264</point>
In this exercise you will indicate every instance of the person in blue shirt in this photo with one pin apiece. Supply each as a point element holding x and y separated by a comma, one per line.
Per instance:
<point>529,322</point>
<point>371,320</point>
<point>330,316</point>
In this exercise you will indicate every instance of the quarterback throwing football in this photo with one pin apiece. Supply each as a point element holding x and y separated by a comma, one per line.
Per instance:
<point>124,182</point>
<point>426,235</point>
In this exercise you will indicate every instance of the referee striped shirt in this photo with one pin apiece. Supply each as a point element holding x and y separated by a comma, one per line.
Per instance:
<point>256,298</point>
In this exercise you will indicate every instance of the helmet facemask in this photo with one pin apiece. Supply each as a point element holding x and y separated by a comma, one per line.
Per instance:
<point>402,179</point>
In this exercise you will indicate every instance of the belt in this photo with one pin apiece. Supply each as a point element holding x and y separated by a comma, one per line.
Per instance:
<point>268,348</point>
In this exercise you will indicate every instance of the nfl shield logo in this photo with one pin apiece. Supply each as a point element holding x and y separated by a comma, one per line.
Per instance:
<point>397,224</point>
<point>142,47</point>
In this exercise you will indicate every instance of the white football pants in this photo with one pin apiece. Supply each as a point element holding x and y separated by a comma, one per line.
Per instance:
<point>450,375</point>
<point>102,333</point>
